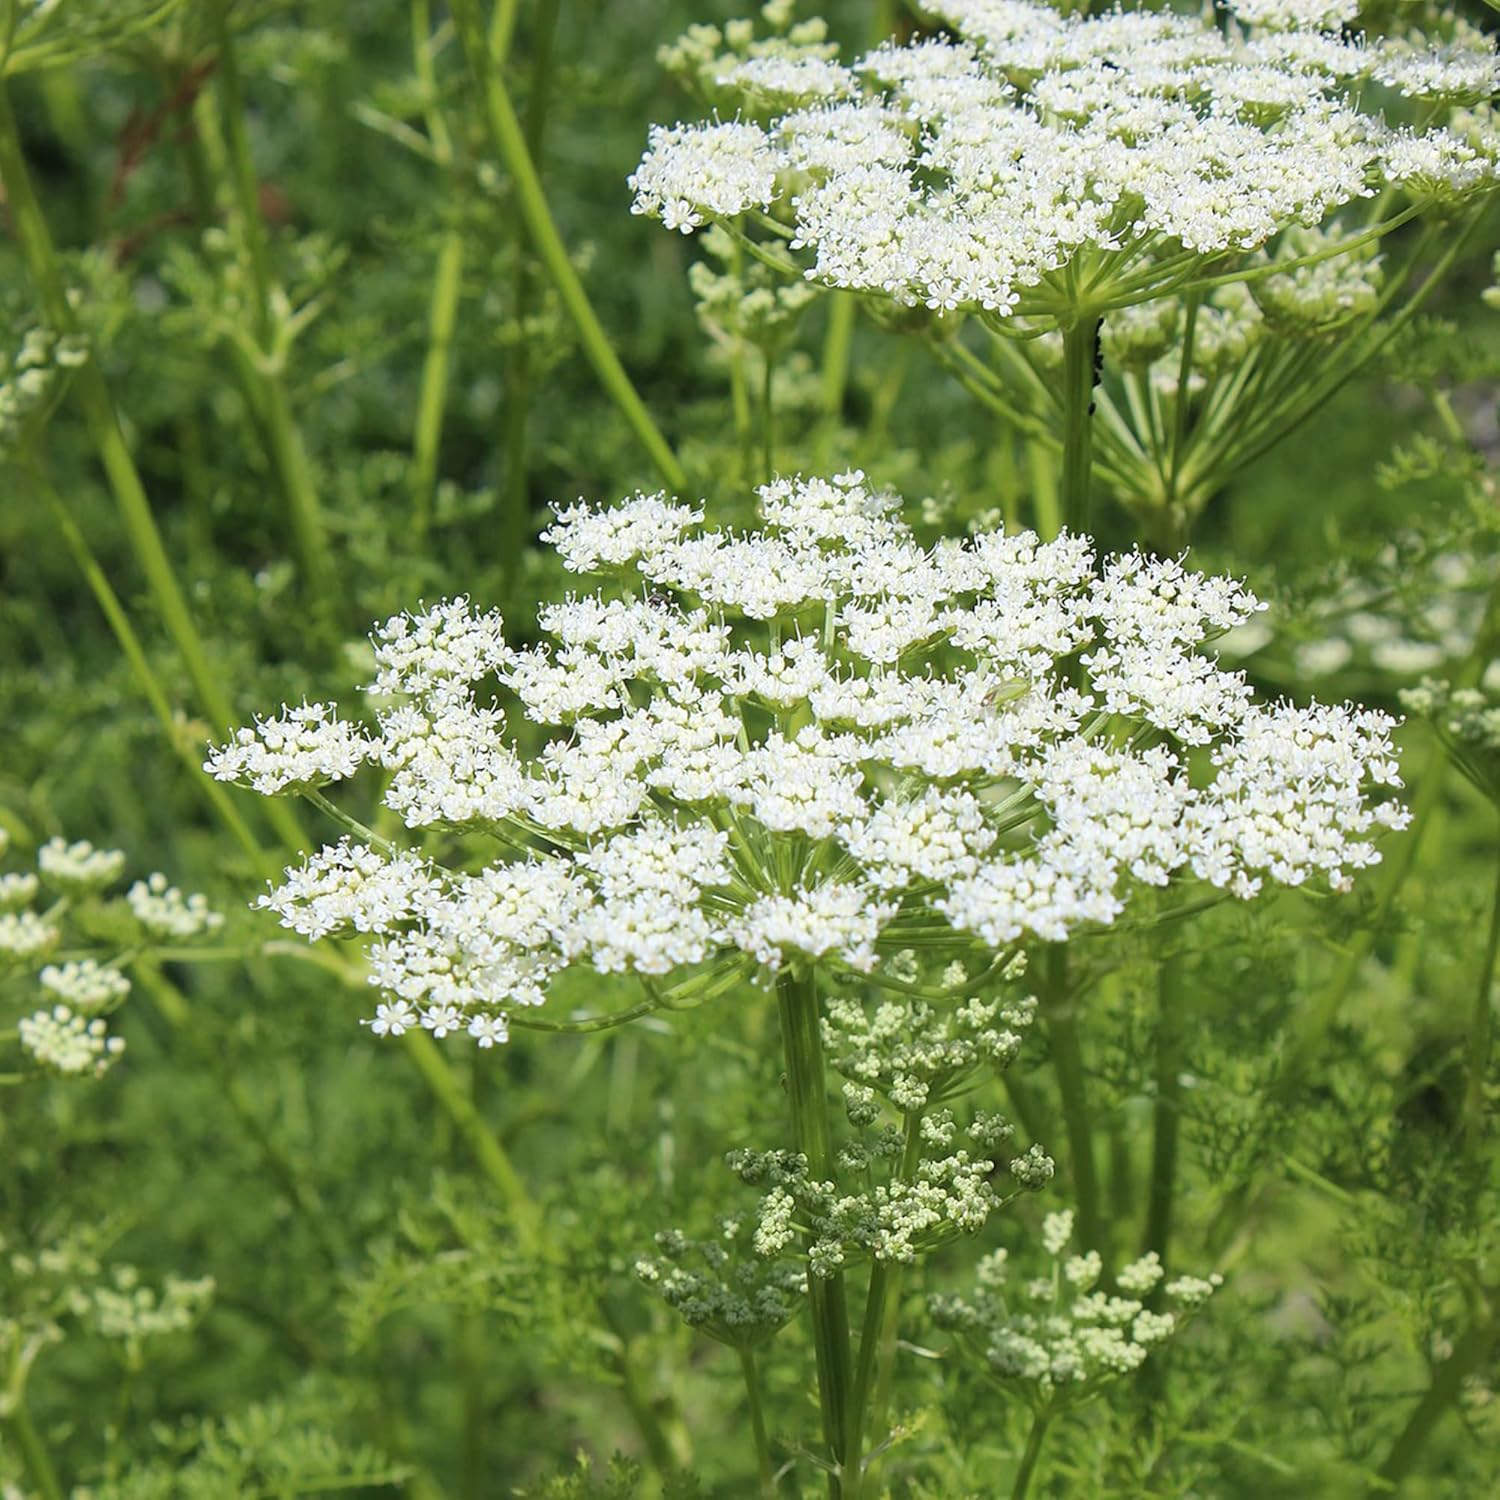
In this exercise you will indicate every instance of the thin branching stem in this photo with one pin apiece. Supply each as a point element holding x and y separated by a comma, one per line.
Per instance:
<point>508,140</point>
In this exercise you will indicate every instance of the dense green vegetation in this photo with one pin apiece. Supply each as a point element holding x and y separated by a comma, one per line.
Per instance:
<point>293,343</point>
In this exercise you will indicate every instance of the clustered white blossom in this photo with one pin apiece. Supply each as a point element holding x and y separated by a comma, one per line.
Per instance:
<point>23,935</point>
<point>69,1044</point>
<point>85,984</point>
<point>1054,1337</point>
<point>79,866</point>
<point>165,912</point>
<point>68,1036</point>
<point>972,170</point>
<point>126,1308</point>
<point>805,742</point>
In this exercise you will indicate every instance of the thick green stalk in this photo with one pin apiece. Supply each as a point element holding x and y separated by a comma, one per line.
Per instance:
<point>509,142</point>
<point>807,1089</point>
<point>767,418</point>
<point>1072,1088</point>
<point>1029,1455</point>
<point>838,341</point>
<point>286,450</point>
<point>1080,343</point>
<point>877,1339</point>
<point>765,1470</point>
<point>19,1427</point>
<point>1166,1108</point>
<point>1469,1355</point>
<point>1481,1031</point>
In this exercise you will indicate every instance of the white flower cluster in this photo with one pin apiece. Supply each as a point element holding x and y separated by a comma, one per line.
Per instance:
<point>85,984</point>
<point>79,866</point>
<point>126,1308</point>
<point>973,172</point>
<point>25,935</point>
<point>303,747</point>
<point>71,1045</point>
<point>165,912</point>
<point>17,888</point>
<point>806,742</point>
<point>1054,1336</point>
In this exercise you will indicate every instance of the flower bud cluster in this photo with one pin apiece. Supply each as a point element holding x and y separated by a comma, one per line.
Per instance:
<point>68,1037</point>
<point>125,1308</point>
<point>1317,298</point>
<point>165,912</point>
<point>30,378</point>
<point>916,1053</point>
<point>69,1045</point>
<point>916,1209</point>
<point>802,744</point>
<point>721,1288</point>
<point>1054,1338</point>
<point>972,171</point>
<point>1468,719</point>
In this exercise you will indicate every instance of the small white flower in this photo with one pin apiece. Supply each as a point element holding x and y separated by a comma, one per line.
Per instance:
<point>488,1031</point>
<point>394,1019</point>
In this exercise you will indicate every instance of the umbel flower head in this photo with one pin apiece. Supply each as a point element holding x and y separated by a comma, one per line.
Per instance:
<point>1025,161</point>
<point>812,742</point>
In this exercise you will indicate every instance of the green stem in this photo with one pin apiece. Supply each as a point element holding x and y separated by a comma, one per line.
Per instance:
<point>1072,1088</point>
<point>287,453</point>
<point>1469,1355</point>
<point>33,1450</point>
<point>802,1039</point>
<point>838,342</point>
<point>877,1339</point>
<point>1313,1020</point>
<point>442,318</point>
<point>767,420</point>
<point>517,514</point>
<point>1481,1031</point>
<point>135,654</point>
<point>1079,344</point>
<point>1183,399</point>
<point>509,143</point>
<point>1029,1455</point>
<point>1166,1109</point>
<point>764,1468</point>
<point>37,250</point>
